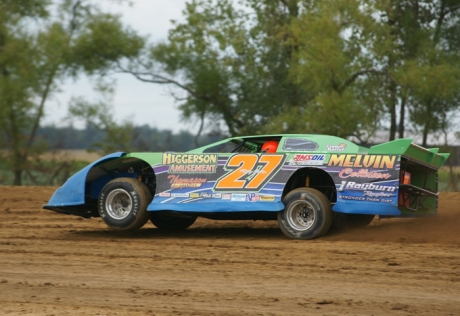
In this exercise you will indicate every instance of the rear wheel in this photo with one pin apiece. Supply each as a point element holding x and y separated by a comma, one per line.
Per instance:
<point>123,204</point>
<point>307,214</point>
<point>163,220</point>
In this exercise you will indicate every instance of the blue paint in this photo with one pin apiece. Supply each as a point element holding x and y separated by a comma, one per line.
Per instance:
<point>218,206</point>
<point>72,192</point>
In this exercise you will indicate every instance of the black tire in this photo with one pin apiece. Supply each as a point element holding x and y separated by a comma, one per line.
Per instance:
<point>307,214</point>
<point>123,204</point>
<point>343,221</point>
<point>164,221</point>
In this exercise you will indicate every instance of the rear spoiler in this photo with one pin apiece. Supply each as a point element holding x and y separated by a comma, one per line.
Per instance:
<point>418,178</point>
<point>405,147</point>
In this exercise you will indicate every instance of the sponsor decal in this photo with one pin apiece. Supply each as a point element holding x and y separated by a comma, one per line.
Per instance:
<point>252,172</point>
<point>354,198</point>
<point>362,161</point>
<point>205,195</point>
<point>179,195</point>
<point>164,194</point>
<point>179,183</point>
<point>348,185</point>
<point>194,195</point>
<point>307,160</point>
<point>378,194</point>
<point>217,196</point>
<point>238,197</point>
<point>226,196</point>
<point>190,163</point>
<point>339,147</point>
<point>267,198</point>
<point>363,173</point>
<point>252,197</point>
<point>370,196</point>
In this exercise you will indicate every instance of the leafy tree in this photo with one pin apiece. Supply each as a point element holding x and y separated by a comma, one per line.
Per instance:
<point>37,52</point>
<point>340,67</point>
<point>334,64</point>
<point>419,51</point>
<point>232,63</point>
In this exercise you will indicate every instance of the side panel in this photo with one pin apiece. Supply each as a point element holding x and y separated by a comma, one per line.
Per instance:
<point>366,184</point>
<point>220,182</point>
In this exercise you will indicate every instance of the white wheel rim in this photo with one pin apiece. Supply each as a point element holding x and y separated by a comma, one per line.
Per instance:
<point>118,204</point>
<point>301,215</point>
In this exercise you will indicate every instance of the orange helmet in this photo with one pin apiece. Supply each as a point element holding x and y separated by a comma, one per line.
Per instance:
<point>270,146</point>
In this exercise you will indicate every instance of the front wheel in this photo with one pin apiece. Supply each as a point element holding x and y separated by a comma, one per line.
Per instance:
<point>123,204</point>
<point>307,214</point>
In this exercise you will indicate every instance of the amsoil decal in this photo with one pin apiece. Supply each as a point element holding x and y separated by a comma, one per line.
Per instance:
<point>307,160</point>
<point>363,161</point>
<point>363,173</point>
<point>179,183</point>
<point>190,163</point>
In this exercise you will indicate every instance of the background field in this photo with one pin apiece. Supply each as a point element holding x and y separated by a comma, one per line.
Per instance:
<point>53,264</point>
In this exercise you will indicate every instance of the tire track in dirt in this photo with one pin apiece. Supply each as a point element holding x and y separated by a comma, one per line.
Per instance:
<point>64,265</point>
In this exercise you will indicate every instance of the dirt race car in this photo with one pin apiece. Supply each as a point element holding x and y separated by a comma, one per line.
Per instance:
<point>306,182</point>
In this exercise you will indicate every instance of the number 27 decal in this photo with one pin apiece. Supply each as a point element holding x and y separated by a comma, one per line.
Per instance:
<point>249,172</point>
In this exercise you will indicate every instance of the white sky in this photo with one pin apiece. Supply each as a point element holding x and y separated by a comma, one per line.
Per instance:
<point>144,103</point>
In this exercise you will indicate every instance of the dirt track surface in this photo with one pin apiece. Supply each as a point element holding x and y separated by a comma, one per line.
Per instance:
<point>53,264</point>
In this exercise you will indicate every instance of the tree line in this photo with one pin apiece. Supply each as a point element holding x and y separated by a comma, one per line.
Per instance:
<point>141,138</point>
<point>339,67</point>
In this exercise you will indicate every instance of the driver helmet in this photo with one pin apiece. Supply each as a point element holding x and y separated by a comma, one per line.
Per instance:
<point>270,146</point>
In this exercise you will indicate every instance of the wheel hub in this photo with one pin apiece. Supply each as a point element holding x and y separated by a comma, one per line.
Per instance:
<point>301,215</point>
<point>118,204</point>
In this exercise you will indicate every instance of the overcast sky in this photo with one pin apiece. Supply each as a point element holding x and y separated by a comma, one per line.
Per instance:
<point>144,103</point>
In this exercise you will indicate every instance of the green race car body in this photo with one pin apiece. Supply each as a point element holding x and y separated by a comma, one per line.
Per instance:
<point>234,179</point>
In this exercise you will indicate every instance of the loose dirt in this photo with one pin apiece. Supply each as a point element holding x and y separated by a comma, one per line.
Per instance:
<point>54,264</point>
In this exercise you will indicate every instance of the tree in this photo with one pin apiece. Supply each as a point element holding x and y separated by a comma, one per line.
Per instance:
<point>98,115</point>
<point>334,64</point>
<point>271,66</point>
<point>339,67</point>
<point>231,63</point>
<point>419,51</point>
<point>37,51</point>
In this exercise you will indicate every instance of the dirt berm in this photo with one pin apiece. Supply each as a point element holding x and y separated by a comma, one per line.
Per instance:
<point>54,264</point>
